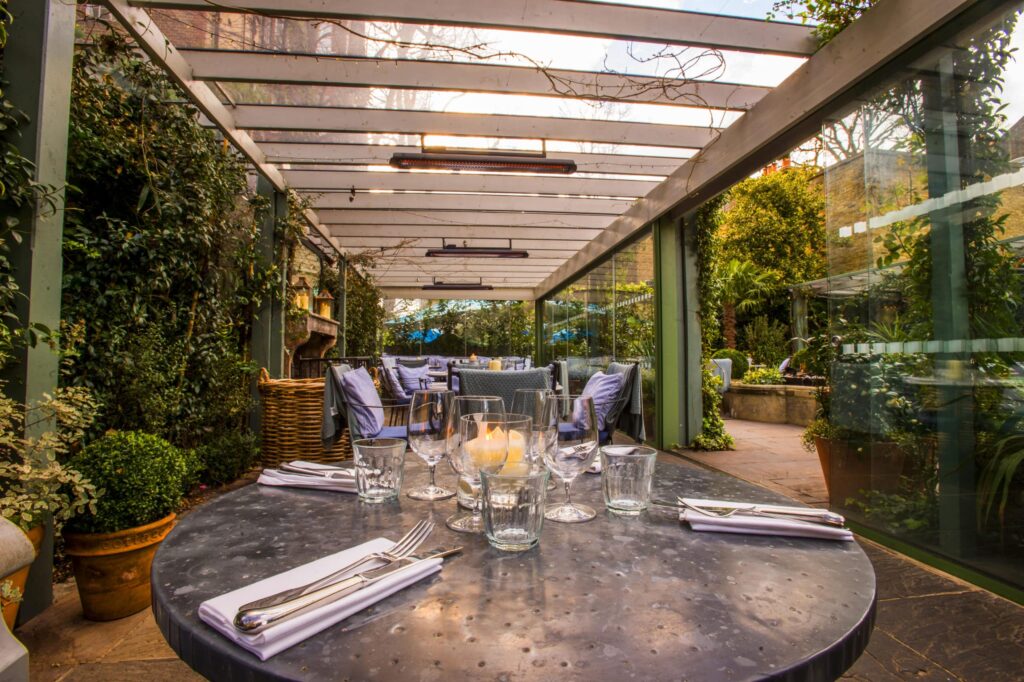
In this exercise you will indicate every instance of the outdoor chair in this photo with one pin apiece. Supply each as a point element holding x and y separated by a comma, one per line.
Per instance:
<point>355,402</point>
<point>456,366</point>
<point>501,383</point>
<point>391,386</point>
<point>413,362</point>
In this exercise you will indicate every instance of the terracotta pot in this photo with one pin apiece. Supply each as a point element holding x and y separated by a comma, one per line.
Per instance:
<point>112,569</point>
<point>20,577</point>
<point>850,469</point>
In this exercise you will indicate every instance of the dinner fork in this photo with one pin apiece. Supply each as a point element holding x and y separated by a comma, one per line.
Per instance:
<point>408,544</point>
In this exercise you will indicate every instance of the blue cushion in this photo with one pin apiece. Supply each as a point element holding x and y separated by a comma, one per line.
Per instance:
<point>393,432</point>
<point>604,389</point>
<point>391,376</point>
<point>410,377</point>
<point>363,403</point>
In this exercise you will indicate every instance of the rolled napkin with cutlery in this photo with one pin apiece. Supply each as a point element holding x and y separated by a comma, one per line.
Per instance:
<point>299,474</point>
<point>219,612</point>
<point>763,525</point>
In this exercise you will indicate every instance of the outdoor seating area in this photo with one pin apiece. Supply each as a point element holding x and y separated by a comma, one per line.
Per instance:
<point>557,339</point>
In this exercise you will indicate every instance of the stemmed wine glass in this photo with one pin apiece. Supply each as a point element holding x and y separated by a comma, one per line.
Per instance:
<point>428,412</point>
<point>534,403</point>
<point>570,444</point>
<point>483,447</point>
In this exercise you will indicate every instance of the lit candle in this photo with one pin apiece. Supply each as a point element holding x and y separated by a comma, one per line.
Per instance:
<point>494,364</point>
<point>488,449</point>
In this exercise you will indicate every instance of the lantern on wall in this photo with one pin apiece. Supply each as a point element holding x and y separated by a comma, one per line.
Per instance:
<point>302,292</point>
<point>324,303</point>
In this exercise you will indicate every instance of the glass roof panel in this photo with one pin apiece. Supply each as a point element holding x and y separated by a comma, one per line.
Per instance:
<point>750,9</point>
<point>474,103</point>
<point>388,40</point>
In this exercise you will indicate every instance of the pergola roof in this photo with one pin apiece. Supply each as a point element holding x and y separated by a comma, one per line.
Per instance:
<point>323,116</point>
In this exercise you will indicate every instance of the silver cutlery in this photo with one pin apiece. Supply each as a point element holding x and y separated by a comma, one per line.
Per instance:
<point>255,620</point>
<point>724,510</point>
<point>338,473</point>
<point>408,544</point>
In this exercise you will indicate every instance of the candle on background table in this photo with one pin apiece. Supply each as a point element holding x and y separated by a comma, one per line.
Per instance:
<point>494,364</point>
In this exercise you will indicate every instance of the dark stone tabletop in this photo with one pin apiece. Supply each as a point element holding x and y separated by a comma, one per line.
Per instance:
<point>641,598</point>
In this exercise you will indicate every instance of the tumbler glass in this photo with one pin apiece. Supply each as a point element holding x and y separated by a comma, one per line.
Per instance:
<point>378,464</point>
<point>626,474</point>
<point>514,506</point>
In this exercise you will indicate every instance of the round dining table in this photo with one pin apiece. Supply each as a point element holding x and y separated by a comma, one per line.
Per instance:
<point>616,598</point>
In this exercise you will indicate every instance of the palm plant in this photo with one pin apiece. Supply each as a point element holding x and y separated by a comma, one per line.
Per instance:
<point>743,286</point>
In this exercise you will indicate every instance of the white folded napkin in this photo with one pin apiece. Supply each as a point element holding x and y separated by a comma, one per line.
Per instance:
<point>276,477</point>
<point>761,525</point>
<point>219,612</point>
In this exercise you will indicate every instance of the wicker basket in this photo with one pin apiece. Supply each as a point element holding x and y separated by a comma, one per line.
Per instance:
<point>292,417</point>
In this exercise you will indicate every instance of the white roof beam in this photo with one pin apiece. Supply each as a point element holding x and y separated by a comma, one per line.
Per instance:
<point>602,20</point>
<point>162,52</point>
<point>305,153</point>
<point>310,181</point>
<point>358,120</point>
<point>329,70</point>
<point>534,234</point>
<point>481,203</point>
<point>467,221</point>
<point>497,294</point>
<point>784,118</point>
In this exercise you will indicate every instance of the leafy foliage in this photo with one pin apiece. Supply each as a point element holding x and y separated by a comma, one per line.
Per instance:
<point>830,16</point>
<point>763,376</point>
<point>228,457</point>
<point>463,327</point>
<point>141,478</point>
<point>364,314</point>
<point>743,286</point>
<point>161,264</point>
<point>777,222</point>
<point>767,341</point>
<point>713,435</point>
<point>33,482</point>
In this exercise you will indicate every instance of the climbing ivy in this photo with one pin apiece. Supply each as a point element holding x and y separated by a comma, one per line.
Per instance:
<point>161,264</point>
<point>364,314</point>
<point>713,435</point>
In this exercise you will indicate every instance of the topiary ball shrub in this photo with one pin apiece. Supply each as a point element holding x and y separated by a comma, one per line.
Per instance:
<point>739,361</point>
<point>141,479</point>
<point>228,457</point>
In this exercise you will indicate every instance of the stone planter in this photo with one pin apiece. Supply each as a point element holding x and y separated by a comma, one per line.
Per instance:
<point>112,569</point>
<point>20,577</point>
<point>774,404</point>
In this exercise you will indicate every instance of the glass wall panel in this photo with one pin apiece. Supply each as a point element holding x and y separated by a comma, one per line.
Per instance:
<point>607,315</point>
<point>459,328</point>
<point>925,220</point>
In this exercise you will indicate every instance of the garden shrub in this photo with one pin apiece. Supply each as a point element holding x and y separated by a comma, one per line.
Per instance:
<point>763,376</point>
<point>141,478</point>
<point>739,361</point>
<point>767,341</point>
<point>228,457</point>
<point>713,435</point>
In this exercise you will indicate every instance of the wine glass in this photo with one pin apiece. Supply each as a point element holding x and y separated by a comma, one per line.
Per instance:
<point>428,411</point>
<point>483,447</point>
<point>533,403</point>
<point>570,444</point>
<point>462,405</point>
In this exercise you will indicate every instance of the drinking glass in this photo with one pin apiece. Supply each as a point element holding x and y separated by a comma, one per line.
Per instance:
<point>626,474</point>
<point>570,444</point>
<point>534,403</point>
<point>428,411</point>
<point>378,464</point>
<point>467,404</point>
<point>513,506</point>
<point>486,441</point>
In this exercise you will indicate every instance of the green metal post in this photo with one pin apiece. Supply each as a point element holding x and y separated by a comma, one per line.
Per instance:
<point>677,347</point>
<point>342,306</point>
<point>538,332</point>
<point>957,501</point>
<point>39,54</point>
<point>268,329</point>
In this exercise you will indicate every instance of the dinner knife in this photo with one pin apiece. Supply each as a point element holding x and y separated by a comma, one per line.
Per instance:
<point>319,473</point>
<point>253,621</point>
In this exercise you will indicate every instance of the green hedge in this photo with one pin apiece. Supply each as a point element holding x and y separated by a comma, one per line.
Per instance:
<point>141,479</point>
<point>739,361</point>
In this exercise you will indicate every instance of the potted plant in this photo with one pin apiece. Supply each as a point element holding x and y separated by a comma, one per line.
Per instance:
<point>34,485</point>
<point>142,479</point>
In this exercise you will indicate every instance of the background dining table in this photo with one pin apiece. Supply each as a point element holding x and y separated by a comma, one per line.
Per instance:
<point>616,598</point>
